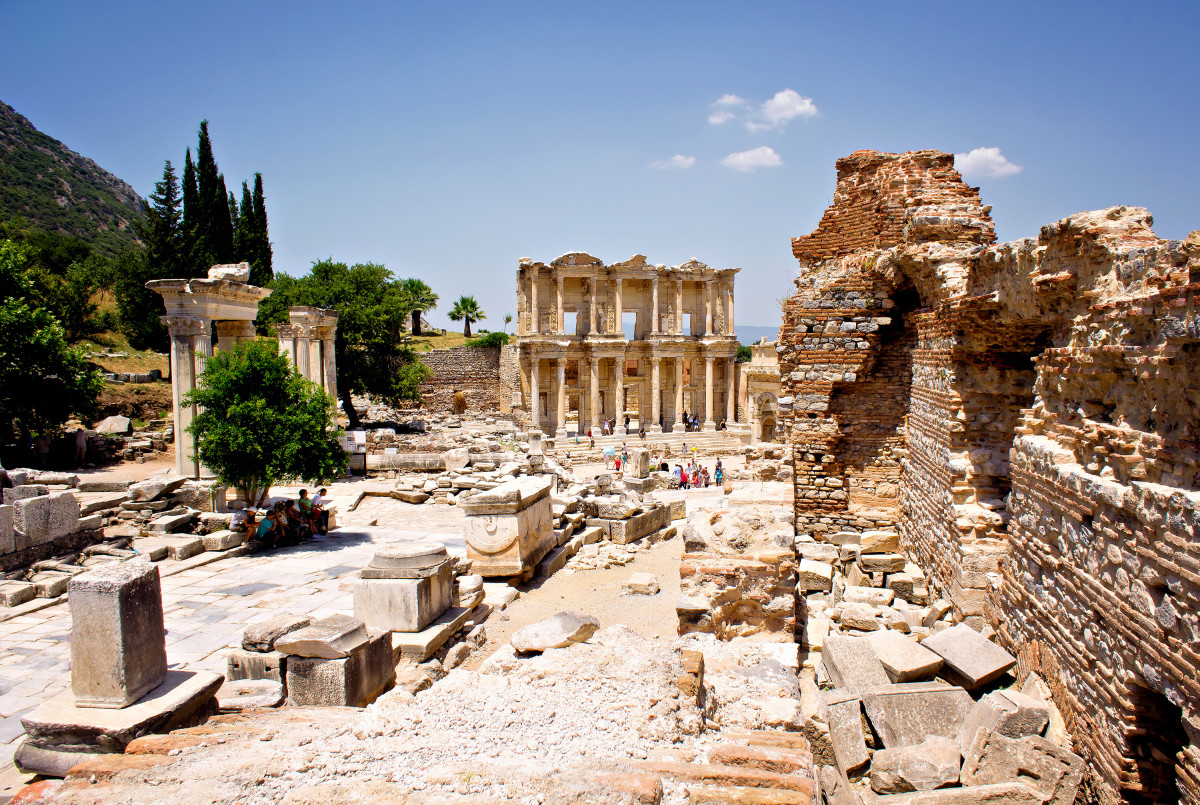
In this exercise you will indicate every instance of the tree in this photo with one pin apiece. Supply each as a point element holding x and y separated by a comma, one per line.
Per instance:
<point>166,255</point>
<point>372,309</point>
<point>467,310</point>
<point>243,231</point>
<point>259,252</point>
<point>507,321</point>
<point>263,423</point>
<point>421,297</point>
<point>42,380</point>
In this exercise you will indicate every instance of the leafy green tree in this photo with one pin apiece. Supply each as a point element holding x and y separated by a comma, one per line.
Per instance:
<point>372,309</point>
<point>165,255</point>
<point>42,380</point>
<point>507,321</point>
<point>489,340</point>
<point>744,355</point>
<point>263,423</point>
<point>466,310</point>
<point>421,297</point>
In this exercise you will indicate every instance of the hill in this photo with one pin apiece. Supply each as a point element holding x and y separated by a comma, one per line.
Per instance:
<point>53,188</point>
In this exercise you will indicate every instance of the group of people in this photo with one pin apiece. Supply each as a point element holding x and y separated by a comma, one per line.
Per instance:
<point>694,476</point>
<point>691,424</point>
<point>288,522</point>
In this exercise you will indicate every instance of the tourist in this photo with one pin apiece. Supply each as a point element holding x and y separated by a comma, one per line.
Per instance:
<point>720,475</point>
<point>617,464</point>
<point>707,479</point>
<point>81,440</point>
<point>722,424</point>
<point>591,441</point>
<point>627,423</point>
<point>295,524</point>
<point>679,476</point>
<point>661,419</point>
<point>642,433</point>
<point>268,532</point>
<point>319,510</point>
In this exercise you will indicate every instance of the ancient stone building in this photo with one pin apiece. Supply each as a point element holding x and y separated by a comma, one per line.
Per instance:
<point>598,342</point>
<point>758,394</point>
<point>1028,415</point>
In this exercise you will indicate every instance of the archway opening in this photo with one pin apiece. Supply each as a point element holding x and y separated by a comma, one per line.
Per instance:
<point>1154,743</point>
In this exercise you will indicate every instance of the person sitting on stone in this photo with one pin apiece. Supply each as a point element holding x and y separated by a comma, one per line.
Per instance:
<point>320,512</point>
<point>268,530</point>
<point>295,524</point>
<point>305,505</point>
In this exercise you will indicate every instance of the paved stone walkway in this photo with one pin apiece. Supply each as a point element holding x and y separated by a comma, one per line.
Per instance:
<point>206,608</point>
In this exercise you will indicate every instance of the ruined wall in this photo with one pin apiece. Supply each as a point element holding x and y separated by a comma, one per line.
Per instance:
<point>475,371</point>
<point>1044,452</point>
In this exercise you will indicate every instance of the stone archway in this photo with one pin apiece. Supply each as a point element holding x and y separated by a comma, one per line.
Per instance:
<point>766,415</point>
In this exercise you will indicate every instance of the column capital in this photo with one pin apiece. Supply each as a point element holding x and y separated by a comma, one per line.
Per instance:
<point>185,325</point>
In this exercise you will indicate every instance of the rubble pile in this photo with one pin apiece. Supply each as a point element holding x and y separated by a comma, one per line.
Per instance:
<point>765,462</point>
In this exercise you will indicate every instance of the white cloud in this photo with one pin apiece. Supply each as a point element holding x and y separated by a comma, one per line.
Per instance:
<point>729,100</point>
<point>985,162</point>
<point>784,106</point>
<point>722,116</point>
<point>677,162</point>
<point>761,157</point>
<point>725,105</point>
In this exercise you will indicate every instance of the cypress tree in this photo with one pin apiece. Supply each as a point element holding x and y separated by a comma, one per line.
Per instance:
<point>191,218</point>
<point>263,269</point>
<point>211,203</point>
<point>224,218</point>
<point>243,232</point>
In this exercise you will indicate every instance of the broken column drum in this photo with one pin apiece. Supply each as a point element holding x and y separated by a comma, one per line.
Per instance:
<point>508,529</point>
<point>405,588</point>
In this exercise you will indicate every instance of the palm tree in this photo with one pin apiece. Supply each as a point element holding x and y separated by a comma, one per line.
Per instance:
<point>507,321</point>
<point>421,297</point>
<point>466,310</point>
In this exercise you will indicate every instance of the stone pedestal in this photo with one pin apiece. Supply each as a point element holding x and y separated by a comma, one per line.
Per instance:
<point>508,529</point>
<point>355,680</point>
<point>118,649</point>
<point>405,588</point>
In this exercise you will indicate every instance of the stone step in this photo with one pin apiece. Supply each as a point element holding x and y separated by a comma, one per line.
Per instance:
<point>736,795</point>
<point>728,775</point>
<point>783,740</point>
<point>780,761</point>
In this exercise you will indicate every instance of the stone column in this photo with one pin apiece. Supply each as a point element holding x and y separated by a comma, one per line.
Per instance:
<point>561,401</point>
<point>708,308</point>
<point>655,394</point>
<point>558,302</point>
<point>594,393</point>
<point>329,352</point>
<point>316,359</point>
<point>730,391</point>
<point>591,305</point>
<point>183,380</point>
<point>618,309</point>
<point>535,393</point>
<point>302,363</point>
<point>678,391</point>
<point>729,308</point>
<point>678,307</point>
<point>654,305</point>
<point>708,394</point>
<point>619,391</point>
<point>534,315</point>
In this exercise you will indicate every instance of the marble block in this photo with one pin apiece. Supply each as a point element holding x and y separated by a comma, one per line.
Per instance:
<point>508,529</point>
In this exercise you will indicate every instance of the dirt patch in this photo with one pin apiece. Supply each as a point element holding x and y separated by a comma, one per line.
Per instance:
<point>135,400</point>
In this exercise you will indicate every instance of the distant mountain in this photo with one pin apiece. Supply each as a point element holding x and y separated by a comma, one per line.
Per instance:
<point>750,333</point>
<point>54,188</point>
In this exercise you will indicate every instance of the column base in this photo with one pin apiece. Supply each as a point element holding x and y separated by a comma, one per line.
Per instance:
<point>708,426</point>
<point>657,429</point>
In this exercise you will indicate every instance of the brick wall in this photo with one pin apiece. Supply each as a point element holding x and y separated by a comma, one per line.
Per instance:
<point>1035,407</point>
<point>475,371</point>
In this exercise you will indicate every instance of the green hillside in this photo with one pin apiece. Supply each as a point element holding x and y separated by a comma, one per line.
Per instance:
<point>53,188</point>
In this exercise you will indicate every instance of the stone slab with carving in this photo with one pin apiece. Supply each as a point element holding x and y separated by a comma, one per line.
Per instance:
<point>508,529</point>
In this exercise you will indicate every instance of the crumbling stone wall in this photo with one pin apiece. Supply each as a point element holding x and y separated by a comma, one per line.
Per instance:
<point>475,371</point>
<point>1035,407</point>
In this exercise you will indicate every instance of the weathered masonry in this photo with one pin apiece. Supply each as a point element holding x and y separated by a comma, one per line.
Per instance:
<point>577,363</point>
<point>1028,415</point>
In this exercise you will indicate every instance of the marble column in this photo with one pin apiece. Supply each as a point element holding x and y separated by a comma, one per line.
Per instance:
<point>708,308</point>
<point>678,392</point>
<point>594,394</point>
<point>535,315</point>
<point>708,394</point>
<point>730,391</point>
<point>302,363</point>
<point>678,307</point>
<point>591,303</point>
<point>654,306</point>
<point>655,395</point>
<point>619,377</point>
<point>316,359</point>
<point>183,380</point>
<point>618,307</point>
<point>535,393</point>
<point>561,401</point>
<point>729,308</point>
<point>558,302</point>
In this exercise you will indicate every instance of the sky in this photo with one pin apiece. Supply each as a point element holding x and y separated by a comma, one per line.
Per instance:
<point>448,140</point>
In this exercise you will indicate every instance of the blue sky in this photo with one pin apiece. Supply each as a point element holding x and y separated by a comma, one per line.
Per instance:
<point>446,140</point>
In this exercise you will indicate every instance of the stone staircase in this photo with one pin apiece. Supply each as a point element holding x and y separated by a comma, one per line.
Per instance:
<point>705,442</point>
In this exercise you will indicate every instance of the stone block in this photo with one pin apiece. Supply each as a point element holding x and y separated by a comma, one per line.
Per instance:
<point>639,463</point>
<point>50,584</point>
<point>105,485</point>
<point>881,563</point>
<point>860,617</point>
<point>155,487</point>
<point>508,529</point>
<point>420,646</point>
<point>178,547</point>
<point>875,596</point>
<point>851,663</point>
<point>934,763</point>
<point>8,542</point>
<point>31,521</point>
<point>329,638</point>
<point>1010,793</point>
<point>814,576</point>
<point>354,680</point>
<point>403,605</point>
<point>843,714</point>
<point>678,509</point>
<point>15,493</point>
<point>262,636</point>
<point>971,660</point>
<point>249,694</point>
<point>558,631</point>
<point>15,593</point>
<point>169,523</point>
<point>817,551</point>
<point>642,584</point>
<point>623,532</point>
<point>1051,771</point>
<point>879,542</point>
<point>116,424</point>
<point>92,522</point>
<point>118,649</point>
<point>222,540</point>
<point>243,664</point>
<point>905,714</point>
<point>904,659</point>
<point>1004,712</point>
<point>183,699</point>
